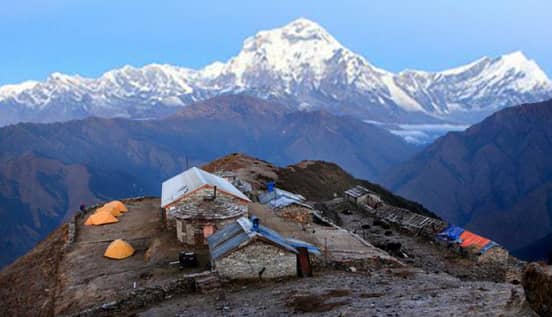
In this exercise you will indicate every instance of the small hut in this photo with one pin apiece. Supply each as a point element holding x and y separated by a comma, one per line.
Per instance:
<point>362,195</point>
<point>287,205</point>
<point>245,249</point>
<point>197,204</point>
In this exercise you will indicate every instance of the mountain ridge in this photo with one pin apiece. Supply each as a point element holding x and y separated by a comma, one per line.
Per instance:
<point>494,178</point>
<point>299,64</point>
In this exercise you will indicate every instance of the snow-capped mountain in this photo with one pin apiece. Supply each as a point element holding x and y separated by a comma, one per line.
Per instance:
<point>479,88</point>
<point>299,64</point>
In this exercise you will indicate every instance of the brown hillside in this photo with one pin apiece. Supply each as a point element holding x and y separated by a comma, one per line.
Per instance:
<point>29,284</point>
<point>316,180</point>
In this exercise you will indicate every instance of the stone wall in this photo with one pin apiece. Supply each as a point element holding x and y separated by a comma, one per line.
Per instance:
<point>373,200</point>
<point>295,213</point>
<point>495,254</point>
<point>142,297</point>
<point>187,229</point>
<point>247,262</point>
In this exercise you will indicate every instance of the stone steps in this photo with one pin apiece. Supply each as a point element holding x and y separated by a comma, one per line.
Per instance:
<point>208,284</point>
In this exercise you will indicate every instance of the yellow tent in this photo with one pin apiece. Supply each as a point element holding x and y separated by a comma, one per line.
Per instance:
<point>119,249</point>
<point>118,205</point>
<point>100,218</point>
<point>109,209</point>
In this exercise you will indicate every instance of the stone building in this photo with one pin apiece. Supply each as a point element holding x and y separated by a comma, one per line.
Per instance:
<point>247,250</point>
<point>196,204</point>
<point>287,205</point>
<point>362,195</point>
<point>496,254</point>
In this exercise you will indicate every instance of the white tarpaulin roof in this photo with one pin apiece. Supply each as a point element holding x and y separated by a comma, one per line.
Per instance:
<point>192,179</point>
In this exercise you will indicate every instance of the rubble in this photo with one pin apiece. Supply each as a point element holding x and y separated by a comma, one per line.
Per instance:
<point>537,283</point>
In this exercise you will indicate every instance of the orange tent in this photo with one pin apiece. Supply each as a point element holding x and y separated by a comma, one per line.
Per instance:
<point>119,249</point>
<point>89,221</point>
<point>100,218</point>
<point>118,205</point>
<point>109,209</point>
<point>470,239</point>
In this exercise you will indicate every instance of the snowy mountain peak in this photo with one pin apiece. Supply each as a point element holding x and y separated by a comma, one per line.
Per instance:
<point>532,74</point>
<point>287,49</point>
<point>289,55</point>
<point>10,91</point>
<point>515,56</point>
<point>63,78</point>
<point>297,32</point>
<point>302,30</point>
<point>299,64</point>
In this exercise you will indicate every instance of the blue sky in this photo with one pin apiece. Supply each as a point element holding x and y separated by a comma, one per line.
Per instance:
<point>90,37</point>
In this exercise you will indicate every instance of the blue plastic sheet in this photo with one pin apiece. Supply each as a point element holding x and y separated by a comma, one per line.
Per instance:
<point>451,233</point>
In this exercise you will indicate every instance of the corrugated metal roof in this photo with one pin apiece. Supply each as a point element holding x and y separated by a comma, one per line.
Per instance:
<point>224,234</point>
<point>285,193</point>
<point>357,191</point>
<point>229,245</point>
<point>279,198</point>
<point>282,202</point>
<point>298,244</point>
<point>239,233</point>
<point>192,179</point>
<point>275,237</point>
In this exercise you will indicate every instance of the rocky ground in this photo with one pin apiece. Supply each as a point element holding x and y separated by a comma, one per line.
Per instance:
<point>385,292</point>
<point>434,282</point>
<point>415,250</point>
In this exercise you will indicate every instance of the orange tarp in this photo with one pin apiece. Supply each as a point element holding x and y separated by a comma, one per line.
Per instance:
<point>471,239</point>
<point>100,218</point>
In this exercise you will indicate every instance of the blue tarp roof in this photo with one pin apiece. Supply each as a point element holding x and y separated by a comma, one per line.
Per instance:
<point>451,232</point>
<point>240,233</point>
